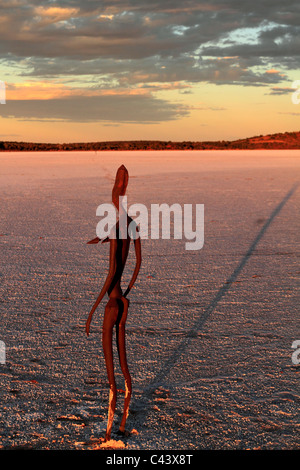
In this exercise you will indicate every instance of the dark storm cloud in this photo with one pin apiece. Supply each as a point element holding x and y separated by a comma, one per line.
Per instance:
<point>137,29</point>
<point>116,108</point>
<point>106,73</point>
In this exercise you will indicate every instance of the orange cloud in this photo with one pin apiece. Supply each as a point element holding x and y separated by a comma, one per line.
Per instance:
<point>46,90</point>
<point>54,14</point>
<point>275,72</point>
<point>33,90</point>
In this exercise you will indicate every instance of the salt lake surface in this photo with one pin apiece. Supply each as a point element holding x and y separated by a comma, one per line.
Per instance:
<point>209,332</point>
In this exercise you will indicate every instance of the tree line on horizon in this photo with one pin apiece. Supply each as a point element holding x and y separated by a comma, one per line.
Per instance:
<point>287,140</point>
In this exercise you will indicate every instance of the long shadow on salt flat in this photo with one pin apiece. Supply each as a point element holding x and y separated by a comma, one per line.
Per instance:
<point>192,333</point>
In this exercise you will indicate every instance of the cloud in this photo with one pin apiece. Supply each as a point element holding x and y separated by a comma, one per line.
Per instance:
<point>126,45</point>
<point>281,91</point>
<point>33,89</point>
<point>44,15</point>
<point>173,73</point>
<point>116,108</point>
<point>290,114</point>
<point>79,30</point>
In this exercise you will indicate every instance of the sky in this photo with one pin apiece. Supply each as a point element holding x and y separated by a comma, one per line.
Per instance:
<point>92,70</point>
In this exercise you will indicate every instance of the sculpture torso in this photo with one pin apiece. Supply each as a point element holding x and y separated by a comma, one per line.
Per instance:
<point>114,289</point>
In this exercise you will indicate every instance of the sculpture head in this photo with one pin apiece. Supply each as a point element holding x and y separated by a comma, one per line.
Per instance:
<point>120,185</point>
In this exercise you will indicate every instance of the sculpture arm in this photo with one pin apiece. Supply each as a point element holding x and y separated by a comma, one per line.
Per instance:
<point>97,240</point>
<point>108,281</point>
<point>94,241</point>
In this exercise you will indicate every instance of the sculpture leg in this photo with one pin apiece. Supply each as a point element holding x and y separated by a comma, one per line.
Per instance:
<point>120,327</point>
<point>110,318</point>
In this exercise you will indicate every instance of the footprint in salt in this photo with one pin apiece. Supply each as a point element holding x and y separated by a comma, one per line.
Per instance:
<point>161,394</point>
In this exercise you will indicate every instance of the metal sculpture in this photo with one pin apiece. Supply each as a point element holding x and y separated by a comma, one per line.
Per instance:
<point>116,309</point>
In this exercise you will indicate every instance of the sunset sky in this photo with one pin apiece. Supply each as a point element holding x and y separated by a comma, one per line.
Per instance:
<point>91,70</point>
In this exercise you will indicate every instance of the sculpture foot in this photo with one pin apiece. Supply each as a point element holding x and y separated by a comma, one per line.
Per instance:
<point>124,433</point>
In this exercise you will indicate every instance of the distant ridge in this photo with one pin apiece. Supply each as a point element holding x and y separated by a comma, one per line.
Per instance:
<point>286,140</point>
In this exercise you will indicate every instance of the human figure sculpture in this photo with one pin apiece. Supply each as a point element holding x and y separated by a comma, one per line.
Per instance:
<point>116,309</point>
